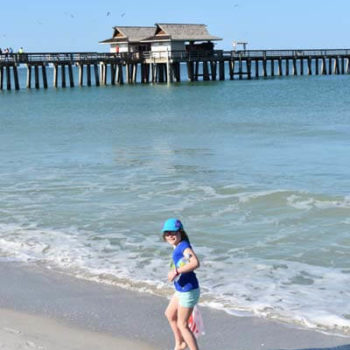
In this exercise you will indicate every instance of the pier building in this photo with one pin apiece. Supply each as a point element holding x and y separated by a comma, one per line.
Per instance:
<point>128,39</point>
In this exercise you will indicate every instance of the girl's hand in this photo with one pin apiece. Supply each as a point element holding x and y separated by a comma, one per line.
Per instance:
<point>171,275</point>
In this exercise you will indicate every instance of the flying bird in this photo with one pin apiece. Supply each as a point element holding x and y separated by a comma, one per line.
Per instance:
<point>108,13</point>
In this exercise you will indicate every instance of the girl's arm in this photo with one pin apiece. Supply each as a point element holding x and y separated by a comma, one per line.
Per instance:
<point>193,262</point>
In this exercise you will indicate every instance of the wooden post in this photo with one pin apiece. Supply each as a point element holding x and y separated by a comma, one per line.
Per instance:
<point>97,78</point>
<point>295,72</point>
<point>309,66</point>
<point>149,71</point>
<point>1,77</point>
<point>153,73</point>
<point>173,70</point>
<point>105,72</point>
<point>43,72</point>
<point>143,79</point>
<point>231,66</point>
<point>112,77</point>
<point>342,65</point>
<point>127,73</point>
<point>168,70</point>
<point>36,74</point>
<point>336,65</point>
<point>330,68</point>
<point>249,68</point>
<point>165,72</point>
<point>279,66</point>
<point>205,70</point>
<point>146,70</point>
<point>131,72</point>
<point>116,76</point>
<point>240,68</point>
<point>287,66</point>
<point>80,73</point>
<point>222,70</point>
<point>88,74</point>
<point>264,67</point>
<point>347,65</point>
<point>101,73</point>
<point>323,66</point>
<point>15,77</point>
<point>121,75</point>
<point>29,76</point>
<point>196,70</point>
<point>63,75</point>
<point>157,73</point>
<point>213,69</point>
<point>55,75</point>
<point>257,68</point>
<point>280,70</point>
<point>70,73</point>
<point>134,73</point>
<point>190,71</point>
<point>301,61</point>
<point>178,72</point>
<point>317,68</point>
<point>160,73</point>
<point>272,63</point>
<point>8,77</point>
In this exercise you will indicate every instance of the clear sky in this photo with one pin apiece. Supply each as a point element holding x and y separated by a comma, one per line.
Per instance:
<point>78,25</point>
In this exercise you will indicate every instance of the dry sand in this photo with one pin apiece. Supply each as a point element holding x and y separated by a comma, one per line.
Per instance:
<point>29,332</point>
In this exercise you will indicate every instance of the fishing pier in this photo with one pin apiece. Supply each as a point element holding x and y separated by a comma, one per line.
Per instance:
<point>151,67</point>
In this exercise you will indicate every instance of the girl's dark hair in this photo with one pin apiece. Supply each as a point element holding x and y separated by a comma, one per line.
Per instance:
<point>183,235</point>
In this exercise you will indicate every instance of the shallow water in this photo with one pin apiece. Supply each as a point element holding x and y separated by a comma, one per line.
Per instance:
<point>257,170</point>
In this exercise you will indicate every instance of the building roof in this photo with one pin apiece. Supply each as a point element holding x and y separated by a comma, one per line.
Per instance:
<point>181,32</point>
<point>161,32</point>
<point>129,34</point>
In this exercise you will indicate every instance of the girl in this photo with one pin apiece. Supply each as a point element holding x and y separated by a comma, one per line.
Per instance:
<point>186,284</point>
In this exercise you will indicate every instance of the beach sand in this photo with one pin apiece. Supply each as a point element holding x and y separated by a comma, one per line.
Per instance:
<point>42,309</point>
<point>24,331</point>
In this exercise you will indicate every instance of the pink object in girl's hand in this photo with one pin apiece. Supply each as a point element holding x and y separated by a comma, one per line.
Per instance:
<point>195,322</point>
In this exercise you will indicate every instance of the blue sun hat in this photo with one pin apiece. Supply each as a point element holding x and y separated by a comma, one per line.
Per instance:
<point>172,225</point>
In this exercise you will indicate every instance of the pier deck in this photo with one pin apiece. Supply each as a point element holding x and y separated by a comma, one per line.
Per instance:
<point>160,67</point>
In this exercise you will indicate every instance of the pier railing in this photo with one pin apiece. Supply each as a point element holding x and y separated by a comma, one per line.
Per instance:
<point>69,57</point>
<point>287,53</point>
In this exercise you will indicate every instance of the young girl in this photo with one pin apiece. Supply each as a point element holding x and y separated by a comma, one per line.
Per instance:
<point>186,284</point>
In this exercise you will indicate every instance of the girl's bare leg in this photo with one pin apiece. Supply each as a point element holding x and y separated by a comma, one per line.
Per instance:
<point>183,314</point>
<point>171,315</point>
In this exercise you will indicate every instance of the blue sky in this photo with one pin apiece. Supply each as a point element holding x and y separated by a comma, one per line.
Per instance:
<point>78,25</point>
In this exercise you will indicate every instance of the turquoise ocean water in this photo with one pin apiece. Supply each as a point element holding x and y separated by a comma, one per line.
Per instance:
<point>257,170</point>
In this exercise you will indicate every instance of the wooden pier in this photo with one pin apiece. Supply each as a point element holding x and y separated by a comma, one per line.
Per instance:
<point>165,67</point>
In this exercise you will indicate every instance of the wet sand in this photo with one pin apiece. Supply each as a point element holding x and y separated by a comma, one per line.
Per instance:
<point>42,309</point>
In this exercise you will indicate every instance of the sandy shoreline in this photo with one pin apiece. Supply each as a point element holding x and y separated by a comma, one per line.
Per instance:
<point>39,307</point>
<point>25,331</point>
